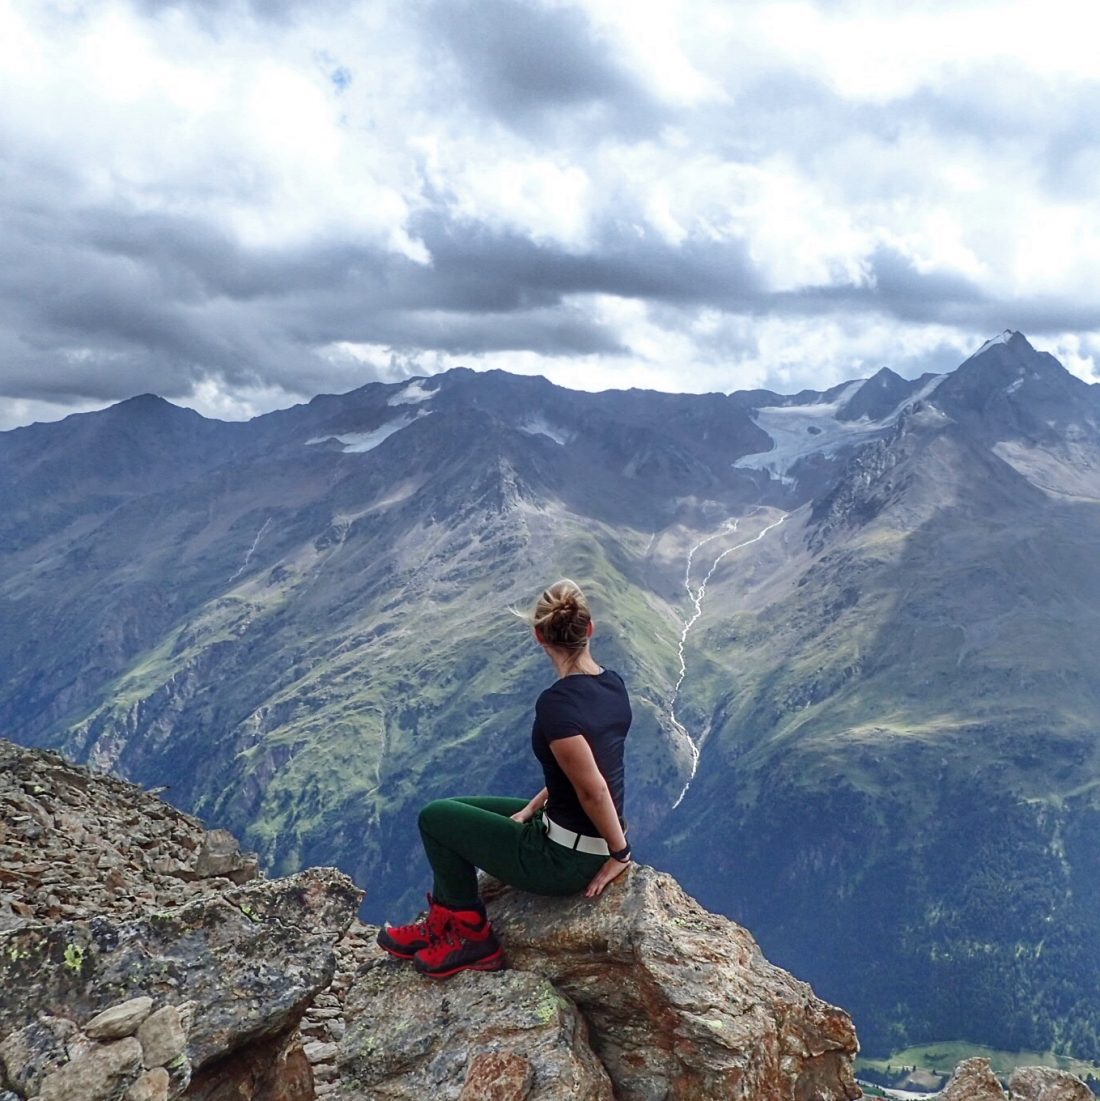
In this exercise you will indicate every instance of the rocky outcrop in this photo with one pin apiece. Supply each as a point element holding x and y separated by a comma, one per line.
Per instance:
<point>641,994</point>
<point>1047,1084</point>
<point>180,981</point>
<point>75,844</point>
<point>143,959</point>
<point>974,1080</point>
<point>680,1002</point>
<point>508,1035</point>
<point>250,959</point>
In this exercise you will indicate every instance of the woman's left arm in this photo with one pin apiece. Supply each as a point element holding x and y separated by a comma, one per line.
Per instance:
<point>577,762</point>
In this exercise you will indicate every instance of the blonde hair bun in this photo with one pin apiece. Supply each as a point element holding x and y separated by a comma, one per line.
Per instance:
<point>562,616</point>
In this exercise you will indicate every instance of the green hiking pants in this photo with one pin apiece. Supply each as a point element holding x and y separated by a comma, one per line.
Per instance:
<point>462,835</point>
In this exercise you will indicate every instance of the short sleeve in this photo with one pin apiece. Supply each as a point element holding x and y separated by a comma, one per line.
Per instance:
<point>557,716</point>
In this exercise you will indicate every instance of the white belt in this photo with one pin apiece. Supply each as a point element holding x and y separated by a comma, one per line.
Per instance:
<point>579,842</point>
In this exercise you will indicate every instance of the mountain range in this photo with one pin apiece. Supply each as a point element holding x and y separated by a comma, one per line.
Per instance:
<point>859,628</point>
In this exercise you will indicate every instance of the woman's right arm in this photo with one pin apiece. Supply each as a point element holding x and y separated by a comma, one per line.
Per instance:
<point>532,807</point>
<point>577,762</point>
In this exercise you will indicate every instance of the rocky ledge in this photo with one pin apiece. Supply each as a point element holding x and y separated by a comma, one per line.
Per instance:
<point>143,958</point>
<point>640,995</point>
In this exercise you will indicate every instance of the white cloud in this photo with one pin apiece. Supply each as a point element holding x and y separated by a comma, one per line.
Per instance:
<point>721,215</point>
<point>543,199</point>
<point>655,37</point>
<point>887,51</point>
<point>16,412</point>
<point>242,128</point>
<point>211,398</point>
<point>1080,355</point>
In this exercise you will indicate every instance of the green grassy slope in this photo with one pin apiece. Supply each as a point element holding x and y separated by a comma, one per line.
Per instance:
<point>316,728</point>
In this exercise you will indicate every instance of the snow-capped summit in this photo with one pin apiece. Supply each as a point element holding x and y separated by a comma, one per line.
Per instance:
<point>1002,338</point>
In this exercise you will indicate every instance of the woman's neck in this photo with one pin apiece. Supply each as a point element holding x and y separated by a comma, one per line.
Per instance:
<point>568,662</point>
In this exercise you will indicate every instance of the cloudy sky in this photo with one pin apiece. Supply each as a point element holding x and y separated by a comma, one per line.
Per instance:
<point>241,204</point>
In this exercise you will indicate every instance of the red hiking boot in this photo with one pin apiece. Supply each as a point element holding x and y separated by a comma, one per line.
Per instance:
<point>468,943</point>
<point>404,941</point>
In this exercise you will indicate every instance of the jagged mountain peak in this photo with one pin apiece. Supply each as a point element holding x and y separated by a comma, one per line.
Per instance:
<point>141,408</point>
<point>1007,410</point>
<point>1015,389</point>
<point>880,396</point>
<point>1011,353</point>
<point>883,379</point>
<point>1007,338</point>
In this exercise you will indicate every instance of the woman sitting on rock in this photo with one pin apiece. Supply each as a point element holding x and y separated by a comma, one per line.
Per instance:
<point>568,838</point>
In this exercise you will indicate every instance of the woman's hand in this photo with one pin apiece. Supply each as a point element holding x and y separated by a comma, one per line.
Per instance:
<point>612,869</point>
<point>533,807</point>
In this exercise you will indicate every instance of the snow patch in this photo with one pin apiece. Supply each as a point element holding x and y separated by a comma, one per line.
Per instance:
<point>413,393</point>
<point>1003,338</point>
<point>539,426</point>
<point>799,431</point>
<point>1014,387</point>
<point>924,392</point>
<point>358,442</point>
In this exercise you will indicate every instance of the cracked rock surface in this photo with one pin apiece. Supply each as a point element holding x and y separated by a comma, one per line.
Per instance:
<point>143,958</point>
<point>680,1002</point>
<point>507,1034</point>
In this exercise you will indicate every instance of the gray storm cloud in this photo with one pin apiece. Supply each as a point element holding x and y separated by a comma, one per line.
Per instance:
<point>507,182</point>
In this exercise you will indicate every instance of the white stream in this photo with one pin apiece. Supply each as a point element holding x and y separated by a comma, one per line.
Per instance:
<point>696,597</point>
<point>252,549</point>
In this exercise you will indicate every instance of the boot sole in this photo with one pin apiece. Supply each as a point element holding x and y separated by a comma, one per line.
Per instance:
<point>491,963</point>
<point>398,953</point>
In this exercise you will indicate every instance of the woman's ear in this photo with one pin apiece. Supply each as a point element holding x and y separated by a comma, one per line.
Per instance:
<point>591,628</point>
<point>538,637</point>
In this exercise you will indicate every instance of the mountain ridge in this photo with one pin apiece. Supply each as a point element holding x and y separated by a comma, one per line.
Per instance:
<point>308,626</point>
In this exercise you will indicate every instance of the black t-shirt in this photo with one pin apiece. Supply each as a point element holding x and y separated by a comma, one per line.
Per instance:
<point>597,707</point>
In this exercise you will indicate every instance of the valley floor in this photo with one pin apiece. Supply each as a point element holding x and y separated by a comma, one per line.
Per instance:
<point>924,1069</point>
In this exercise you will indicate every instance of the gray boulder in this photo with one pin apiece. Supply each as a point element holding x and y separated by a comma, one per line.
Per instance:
<point>974,1080</point>
<point>237,966</point>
